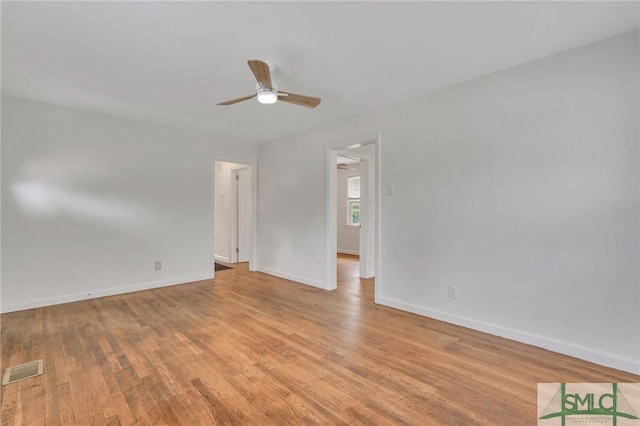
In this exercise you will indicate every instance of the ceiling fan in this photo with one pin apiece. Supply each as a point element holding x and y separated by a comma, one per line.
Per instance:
<point>344,166</point>
<point>267,91</point>
<point>346,161</point>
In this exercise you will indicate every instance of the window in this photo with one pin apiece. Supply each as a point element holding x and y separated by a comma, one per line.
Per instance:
<point>353,201</point>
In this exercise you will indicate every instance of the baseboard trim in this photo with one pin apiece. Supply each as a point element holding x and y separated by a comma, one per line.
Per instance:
<point>292,277</point>
<point>222,259</point>
<point>597,356</point>
<point>49,301</point>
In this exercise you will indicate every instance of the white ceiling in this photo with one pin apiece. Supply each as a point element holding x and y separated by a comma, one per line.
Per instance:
<point>171,62</point>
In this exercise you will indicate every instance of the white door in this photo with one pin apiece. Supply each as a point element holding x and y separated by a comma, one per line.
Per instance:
<point>244,215</point>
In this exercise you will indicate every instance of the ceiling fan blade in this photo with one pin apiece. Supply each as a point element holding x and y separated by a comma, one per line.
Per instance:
<point>236,100</point>
<point>302,100</point>
<point>261,71</point>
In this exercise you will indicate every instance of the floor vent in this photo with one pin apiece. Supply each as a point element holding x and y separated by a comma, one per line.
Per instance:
<point>22,371</point>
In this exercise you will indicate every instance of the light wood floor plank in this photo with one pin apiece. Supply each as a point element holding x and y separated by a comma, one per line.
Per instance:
<point>252,349</point>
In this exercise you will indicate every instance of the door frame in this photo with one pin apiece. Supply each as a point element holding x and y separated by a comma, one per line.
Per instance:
<point>331,211</point>
<point>235,215</point>
<point>253,261</point>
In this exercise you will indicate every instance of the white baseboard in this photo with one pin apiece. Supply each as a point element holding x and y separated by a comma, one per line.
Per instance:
<point>351,252</point>
<point>597,356</point>
<point>292,277</point>
<point>222,259</point>
<point>48,301</point>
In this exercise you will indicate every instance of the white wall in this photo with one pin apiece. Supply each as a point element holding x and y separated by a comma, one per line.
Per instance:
<point>224,225</point>
<point>520,188</point>
<point>90,202</point>
<point>348,236</point>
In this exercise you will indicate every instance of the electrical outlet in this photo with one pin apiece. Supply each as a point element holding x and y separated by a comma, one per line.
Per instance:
<point>158,265</point>
<point>453,292</point>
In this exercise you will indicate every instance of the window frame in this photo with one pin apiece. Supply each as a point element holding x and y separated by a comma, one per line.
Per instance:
<point>351,201</point>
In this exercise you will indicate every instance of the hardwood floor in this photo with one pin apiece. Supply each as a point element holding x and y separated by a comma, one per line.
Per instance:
<point>253,349</point>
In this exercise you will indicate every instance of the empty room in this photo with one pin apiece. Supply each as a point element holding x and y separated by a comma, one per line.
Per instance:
<point>336,213</point>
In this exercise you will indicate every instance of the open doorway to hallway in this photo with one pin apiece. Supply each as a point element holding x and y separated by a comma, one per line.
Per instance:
<point>348,204</point>
<point>356,205</point>
<point>353,187</point>
<point>232,213</point>
<point>349,281</point>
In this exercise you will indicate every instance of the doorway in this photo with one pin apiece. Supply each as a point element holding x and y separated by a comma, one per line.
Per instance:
<point>233,207</point>
<point>242,215</point>
<point>364,160</point>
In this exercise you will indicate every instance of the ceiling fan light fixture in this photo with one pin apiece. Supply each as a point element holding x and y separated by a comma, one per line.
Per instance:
<point>267,90</point>
<point>266,96</point>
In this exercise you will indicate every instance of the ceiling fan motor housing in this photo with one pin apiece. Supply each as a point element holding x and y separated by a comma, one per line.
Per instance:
<point>267,96</point>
